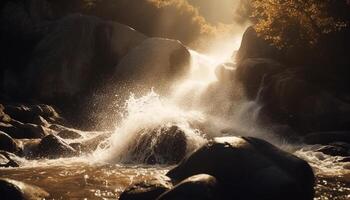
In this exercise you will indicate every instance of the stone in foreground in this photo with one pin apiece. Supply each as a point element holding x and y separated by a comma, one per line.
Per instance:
<point>252,168</point>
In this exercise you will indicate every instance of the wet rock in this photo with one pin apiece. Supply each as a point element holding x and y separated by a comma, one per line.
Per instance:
<point>327,137</point>
<point>201,187</point>
<point>145,190</point>
<point>158,146</point>
<point>7,143</point>
<point>68,134</point>
<point>53,147</point>
<point>253,46</point>
<point>252,167</point>
<point>20,130</point>
<point>155,60</point>
<point>16,190</point>
<point>336,149</point>
<point>8,159</point>
<point>251,72</point>
<point>35,114</point>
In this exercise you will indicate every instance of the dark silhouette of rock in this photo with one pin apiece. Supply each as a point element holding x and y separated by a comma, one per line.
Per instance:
<point>252,167</point>
<point>201,187</point>
<point>38,114</point>
<point>253,46</point>
<point>16,190</point>
<point>20,130</point>
<point>53,147</point>
<point>252,71</point>
<point>145,190</point>
<point>7,143</point>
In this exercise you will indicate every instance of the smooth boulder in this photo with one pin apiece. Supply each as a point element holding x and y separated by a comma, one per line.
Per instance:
<point>53,147</point>
<point>17,190</point>
<point>7,143</point>
<point>251,167</point>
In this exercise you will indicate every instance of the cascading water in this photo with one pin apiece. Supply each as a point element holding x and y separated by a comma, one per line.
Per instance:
<point>184,117</point>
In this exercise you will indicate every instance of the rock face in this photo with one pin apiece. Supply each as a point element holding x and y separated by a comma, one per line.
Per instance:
<point>154,62</point>
<point>295,87</point>
<point>16,190</point>
<point>252,168</point>
<point>77,52</point>
<point>252,72</point>
<point>202,186</point>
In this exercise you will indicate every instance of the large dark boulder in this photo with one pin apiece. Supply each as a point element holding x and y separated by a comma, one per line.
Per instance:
<point>16,190</point>
<point>53,147</point>
<point>7,143</point>
<point>252,168</point>
<point>200,187</point>
<point>78,53</point>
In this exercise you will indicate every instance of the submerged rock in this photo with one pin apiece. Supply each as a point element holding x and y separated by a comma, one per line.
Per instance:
<point>200,187</point>
<point>53,147</point>
<point>252,168</point>
<point>145,190</point>
<point>16,190</point>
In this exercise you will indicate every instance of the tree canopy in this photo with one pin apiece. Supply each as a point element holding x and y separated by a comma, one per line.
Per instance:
<point>291,22</point>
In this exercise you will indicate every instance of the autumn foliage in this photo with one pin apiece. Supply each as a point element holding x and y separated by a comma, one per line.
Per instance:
<point>291,22</point>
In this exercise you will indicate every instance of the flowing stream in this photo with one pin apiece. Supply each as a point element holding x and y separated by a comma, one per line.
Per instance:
<point>106,172</point>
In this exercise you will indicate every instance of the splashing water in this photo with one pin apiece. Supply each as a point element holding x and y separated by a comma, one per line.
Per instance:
<point>147,120</point>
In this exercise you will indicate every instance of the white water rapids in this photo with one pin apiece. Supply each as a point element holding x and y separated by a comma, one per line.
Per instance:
<point>202,108</point>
